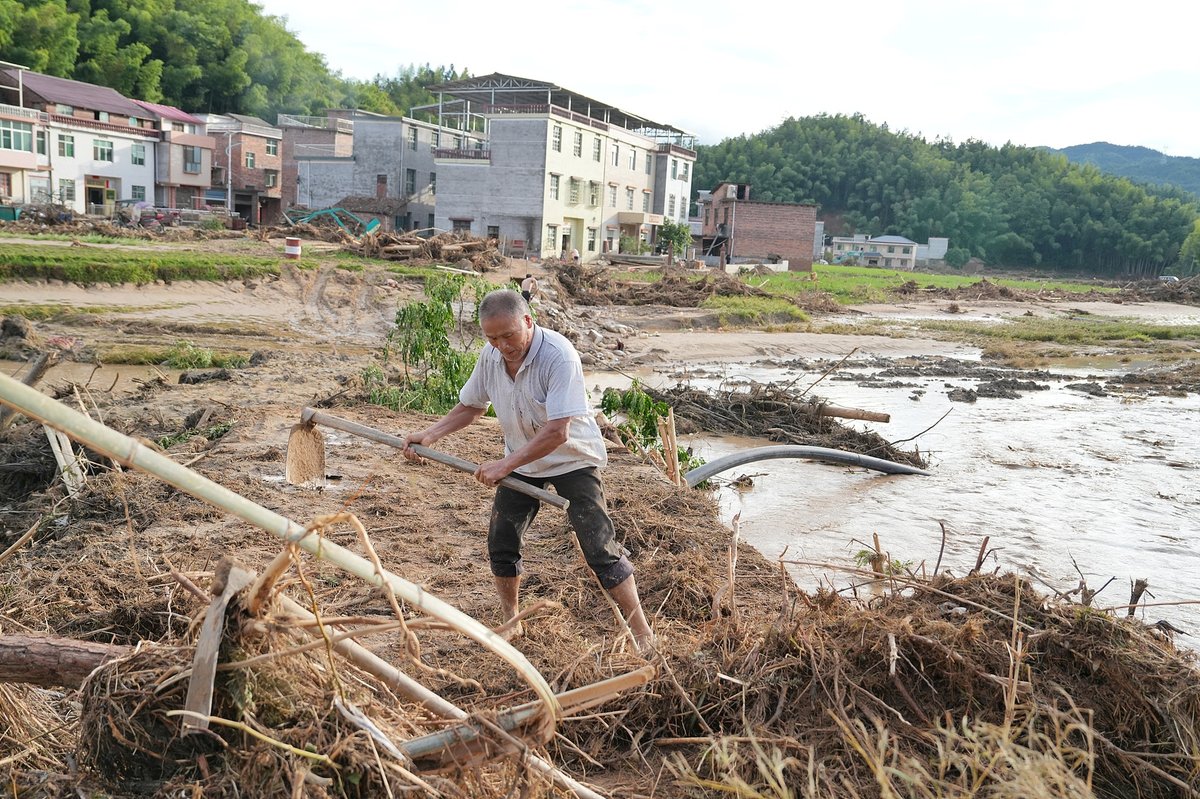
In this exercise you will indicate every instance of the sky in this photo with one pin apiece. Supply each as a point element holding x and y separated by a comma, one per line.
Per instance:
<point>1033,72</point>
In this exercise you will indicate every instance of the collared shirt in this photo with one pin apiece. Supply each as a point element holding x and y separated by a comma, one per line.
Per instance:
<point>548,385</point>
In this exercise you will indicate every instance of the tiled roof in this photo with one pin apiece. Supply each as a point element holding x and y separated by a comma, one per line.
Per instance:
<point>74,93</point>
<point>892,240</point>
<point>169,112</point>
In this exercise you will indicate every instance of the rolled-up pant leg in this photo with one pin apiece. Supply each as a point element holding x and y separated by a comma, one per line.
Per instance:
<point>593,526</point>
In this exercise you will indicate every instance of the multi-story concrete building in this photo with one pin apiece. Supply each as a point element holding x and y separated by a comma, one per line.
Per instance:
<point>390,173</point>
<point>895,252</point>
<point>738,228</point>
<point>90,146</point>
<point>307,137</point>
<point>554,170</point>
<point>247,167</point>
<point>183,165</point>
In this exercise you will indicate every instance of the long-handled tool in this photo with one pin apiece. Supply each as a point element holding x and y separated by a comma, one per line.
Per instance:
<point>306,453</point>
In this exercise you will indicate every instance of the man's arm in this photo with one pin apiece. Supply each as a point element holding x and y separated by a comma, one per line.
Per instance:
<point>456,419</point>
<point>552,436</point>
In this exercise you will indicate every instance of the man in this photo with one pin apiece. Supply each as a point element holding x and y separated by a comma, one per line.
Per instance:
<point>534,380</point>
<point>529,287</point>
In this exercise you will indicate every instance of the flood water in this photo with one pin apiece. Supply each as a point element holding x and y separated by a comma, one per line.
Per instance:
<point>1111,482</point>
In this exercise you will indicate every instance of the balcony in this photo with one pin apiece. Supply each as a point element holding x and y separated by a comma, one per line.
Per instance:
<point>22,113</point>
<point>677,150</point>
<point>107,127</point>
<point>471,155</point>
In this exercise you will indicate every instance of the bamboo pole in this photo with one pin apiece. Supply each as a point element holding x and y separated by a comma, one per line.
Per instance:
<point>38,366</point>
<point>131,453</point>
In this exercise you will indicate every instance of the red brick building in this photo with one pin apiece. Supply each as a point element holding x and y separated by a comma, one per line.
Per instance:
<point>735,227</point>
<point>247,167</point>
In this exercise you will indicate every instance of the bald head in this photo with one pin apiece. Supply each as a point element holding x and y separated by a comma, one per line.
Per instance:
<point>503,303</point>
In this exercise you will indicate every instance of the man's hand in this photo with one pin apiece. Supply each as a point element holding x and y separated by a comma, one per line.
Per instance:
<point>492,472</point>
<point>415,438</point>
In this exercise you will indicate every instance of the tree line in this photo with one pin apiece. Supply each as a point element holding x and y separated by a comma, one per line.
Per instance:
<point>1008,206</point>
<point>215,56</point>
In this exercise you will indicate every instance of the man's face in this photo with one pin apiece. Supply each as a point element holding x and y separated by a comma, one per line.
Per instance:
<point>512,335</point>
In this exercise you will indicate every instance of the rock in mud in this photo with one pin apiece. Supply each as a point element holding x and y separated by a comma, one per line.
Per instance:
<point>198,376</point>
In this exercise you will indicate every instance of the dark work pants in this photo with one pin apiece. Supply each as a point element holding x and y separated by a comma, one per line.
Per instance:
<point>512,513</point>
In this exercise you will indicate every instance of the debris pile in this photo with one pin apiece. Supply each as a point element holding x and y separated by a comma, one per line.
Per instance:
<point>593,284</point>
<point>481,255</point>
<point>931,684</point>
<point>776,412</point>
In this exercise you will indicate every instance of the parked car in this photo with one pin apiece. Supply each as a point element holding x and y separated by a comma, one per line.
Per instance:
<point>1168,278</point>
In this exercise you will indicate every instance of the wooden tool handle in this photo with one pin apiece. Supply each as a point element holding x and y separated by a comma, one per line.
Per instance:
<point>311,415</point>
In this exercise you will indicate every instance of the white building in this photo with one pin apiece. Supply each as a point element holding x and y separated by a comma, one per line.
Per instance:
<point>91,146</point>
<point>558,171</point>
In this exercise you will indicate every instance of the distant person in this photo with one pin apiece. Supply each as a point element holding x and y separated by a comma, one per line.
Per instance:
<point>574,255</point>
<point>529,287</point>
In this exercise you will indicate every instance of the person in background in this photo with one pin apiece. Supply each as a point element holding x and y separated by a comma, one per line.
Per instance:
<point>529,287</point>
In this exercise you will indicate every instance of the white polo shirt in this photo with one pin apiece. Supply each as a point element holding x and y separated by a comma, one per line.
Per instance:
<point>548,385</point>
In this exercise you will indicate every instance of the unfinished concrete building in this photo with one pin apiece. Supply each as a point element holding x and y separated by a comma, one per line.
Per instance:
<point>551,171</point>
<point>389,172</point>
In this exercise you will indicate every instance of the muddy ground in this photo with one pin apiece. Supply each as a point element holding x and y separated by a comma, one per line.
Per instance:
<point>807,674</point>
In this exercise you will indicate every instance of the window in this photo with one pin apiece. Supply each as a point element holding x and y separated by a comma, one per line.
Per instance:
<point>66,145</point>
<point>460,225</point>
<point>101,116</point>
<point>551,236</point>
<point>191,160</point>
<point>458,146</point>
<point>272,177</point>
<point>137,192</point>
<point>16,135</point>
<point>134,122</point>
<point>554,187</point>
<point>629,198</point>
<point>5,184</point>
<point>905,250</point>
<point>493,231</point>
<point>41,142</point>
<point>593,193</point>
<point>102,150</point>
<point>645,202</point>
<point>706,217</point>
<point>612,196</point>
<point>578,146</point>
<point>272,147</point>
<point>177,126</point>
<point>412,138</point>
<point>574,191</point>
<point>430,221</point>
<point>674,168</point>
<point>39,190</point>
<point>65,110</point>
<point>633,158</point>
<point>249,160</point>
<point>649,163</point>
<point>433,142</point>
<point>432,184</point>
<point>591,239</point>
<point>410,182</point>
<point>137,155</point>
<point>671,206</point>
<point>66,190</point>
<point>616,155</point>
<point>684,174</point>
<point>596,150</point>
<point>556,138</point>
<point>891,249</point>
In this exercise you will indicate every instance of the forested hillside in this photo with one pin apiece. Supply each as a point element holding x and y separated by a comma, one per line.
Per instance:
<point>1139,164</point>
<point>1010,206</point>
<point>214,56</point>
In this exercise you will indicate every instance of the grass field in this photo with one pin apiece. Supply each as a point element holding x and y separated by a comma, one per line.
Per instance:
<point>91,266</point>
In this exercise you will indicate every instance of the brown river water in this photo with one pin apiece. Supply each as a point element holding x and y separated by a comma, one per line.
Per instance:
<point>1111,483</point>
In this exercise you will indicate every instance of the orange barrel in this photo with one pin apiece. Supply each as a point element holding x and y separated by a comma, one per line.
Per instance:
<point>291,249</point>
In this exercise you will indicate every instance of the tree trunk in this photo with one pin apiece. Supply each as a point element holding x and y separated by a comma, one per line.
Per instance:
<point>50,662</point>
